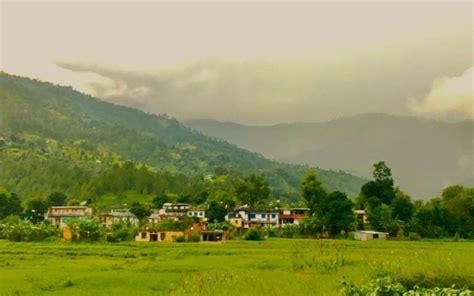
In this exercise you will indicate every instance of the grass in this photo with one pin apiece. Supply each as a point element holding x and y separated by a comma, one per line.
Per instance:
<point>276,266</point>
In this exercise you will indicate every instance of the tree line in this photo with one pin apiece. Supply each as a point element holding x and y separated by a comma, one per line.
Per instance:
<point>388,208</point>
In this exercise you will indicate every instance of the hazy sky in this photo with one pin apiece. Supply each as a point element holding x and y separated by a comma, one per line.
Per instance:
<point>256,63</point>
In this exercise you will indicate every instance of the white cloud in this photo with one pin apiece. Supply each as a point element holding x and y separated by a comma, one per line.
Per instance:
<point>450,98</point>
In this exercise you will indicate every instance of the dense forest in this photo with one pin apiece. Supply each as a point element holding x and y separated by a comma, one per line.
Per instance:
<point>53,138</point>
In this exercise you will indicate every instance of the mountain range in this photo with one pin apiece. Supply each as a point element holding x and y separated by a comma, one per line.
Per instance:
<point>425,155</point>
<point>52,138</point>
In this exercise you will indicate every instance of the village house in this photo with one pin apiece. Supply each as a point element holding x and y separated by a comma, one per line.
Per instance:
<point>60,215</point>
<point>147,235</point>
<point>245,218</point>
<point>291,216</point>
<point>361,216</point>
<point>118,215</point>
<point>154,217</point>
<point>365,235</point>
<point>214,235</point>
<point>196,213</point>
<point>174,209</point>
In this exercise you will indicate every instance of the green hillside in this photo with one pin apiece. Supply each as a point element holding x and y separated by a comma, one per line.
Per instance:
<point>53,138</point>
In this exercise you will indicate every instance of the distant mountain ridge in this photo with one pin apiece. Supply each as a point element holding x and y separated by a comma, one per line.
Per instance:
<point>46,127</point>
<point>425,155</point>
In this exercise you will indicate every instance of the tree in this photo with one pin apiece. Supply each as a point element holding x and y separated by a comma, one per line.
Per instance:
<point>314,193</point>
<point>9,205</point>
<point>216,211</point>
<point>382,173</point>
<point>402,207</point>
<point>338,213</point>
<point>36,209</point>
<point>74,202</point>
<point>57,199</point>
<point>160,200</point>
<point>139,210</point>
<point>459,201</point>
<point>252,189</point>
<point>381,219</point>
<point>381,190</point>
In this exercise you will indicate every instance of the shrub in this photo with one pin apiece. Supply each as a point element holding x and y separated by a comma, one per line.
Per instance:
<point>195,238</point>
<point>180,239</point>
<point>389,286</point>
<point>289,231</point>
<point>413,236</point>
<point>28,232</point>
<point>121,231</point>
<point>85,229</point>
<point>254,234</point>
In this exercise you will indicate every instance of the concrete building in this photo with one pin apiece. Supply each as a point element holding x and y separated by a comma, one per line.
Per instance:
<point>291,216</point>
<point>365,235</point>
<point>246,218</point>
<point>60,215</point>
<point>118,215</point>
<point>174,209</point>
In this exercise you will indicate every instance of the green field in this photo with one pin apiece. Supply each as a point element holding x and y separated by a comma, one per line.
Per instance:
<point>276,266</point>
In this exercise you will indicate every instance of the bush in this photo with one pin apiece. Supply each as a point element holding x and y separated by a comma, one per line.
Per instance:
<point>180,239</point>
<point>254,234</point>
<point>413,236</point>
<point>85,229</point>
<point>28,232</point>
<point>195,238</point>
<point>389,286</point>
<point>121,231</point>
<point>289,231</point>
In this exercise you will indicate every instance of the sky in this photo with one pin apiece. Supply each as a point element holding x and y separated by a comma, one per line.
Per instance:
<point>252,63</point>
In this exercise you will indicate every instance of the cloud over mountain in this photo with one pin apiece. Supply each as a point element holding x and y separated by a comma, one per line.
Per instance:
<point>450,98</point>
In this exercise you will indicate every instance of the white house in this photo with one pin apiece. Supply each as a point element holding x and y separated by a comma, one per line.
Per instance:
<point>196,213</point>
<point>253,218</point>
<point>291,216</point>
<point>365,235</point>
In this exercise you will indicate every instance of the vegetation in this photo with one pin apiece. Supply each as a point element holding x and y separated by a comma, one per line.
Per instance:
<point>54,139</point>
<point>272,266</point>
<point>389,209</point>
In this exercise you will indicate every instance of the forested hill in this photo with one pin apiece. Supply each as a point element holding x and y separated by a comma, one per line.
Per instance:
<point>53,138</point>
<point>425,155</point>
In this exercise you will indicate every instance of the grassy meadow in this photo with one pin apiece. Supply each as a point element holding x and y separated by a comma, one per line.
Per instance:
<point>276,266</point>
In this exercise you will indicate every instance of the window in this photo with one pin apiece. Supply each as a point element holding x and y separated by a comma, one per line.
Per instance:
<point>143,235</point>
<point>264,215</point>
<point>273,216</point>
<point>252,215</point>
<point>376,235</point>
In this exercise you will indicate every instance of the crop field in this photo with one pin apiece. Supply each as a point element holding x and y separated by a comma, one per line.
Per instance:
<point>274,266</point>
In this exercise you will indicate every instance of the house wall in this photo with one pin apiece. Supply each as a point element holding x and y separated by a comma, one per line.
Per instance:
<point>364,236</point>
<point>236,222</point>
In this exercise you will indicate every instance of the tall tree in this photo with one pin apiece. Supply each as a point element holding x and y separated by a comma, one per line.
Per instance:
<point>139,210</point>
<point>314,193</point>
<point>57,199</point>
<point>381,190</point>
<point>338,213</point>
<point>252,189</point>
<point>216,211</point>
<point>402,207</point>
<point>36,209</point>
<point>9,204</point>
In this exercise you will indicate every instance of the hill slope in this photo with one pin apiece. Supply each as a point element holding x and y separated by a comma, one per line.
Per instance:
<point>45,127</point>
<point>425,155</point>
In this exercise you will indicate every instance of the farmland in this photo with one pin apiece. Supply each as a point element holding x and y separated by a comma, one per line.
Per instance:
<point>276,266</point>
